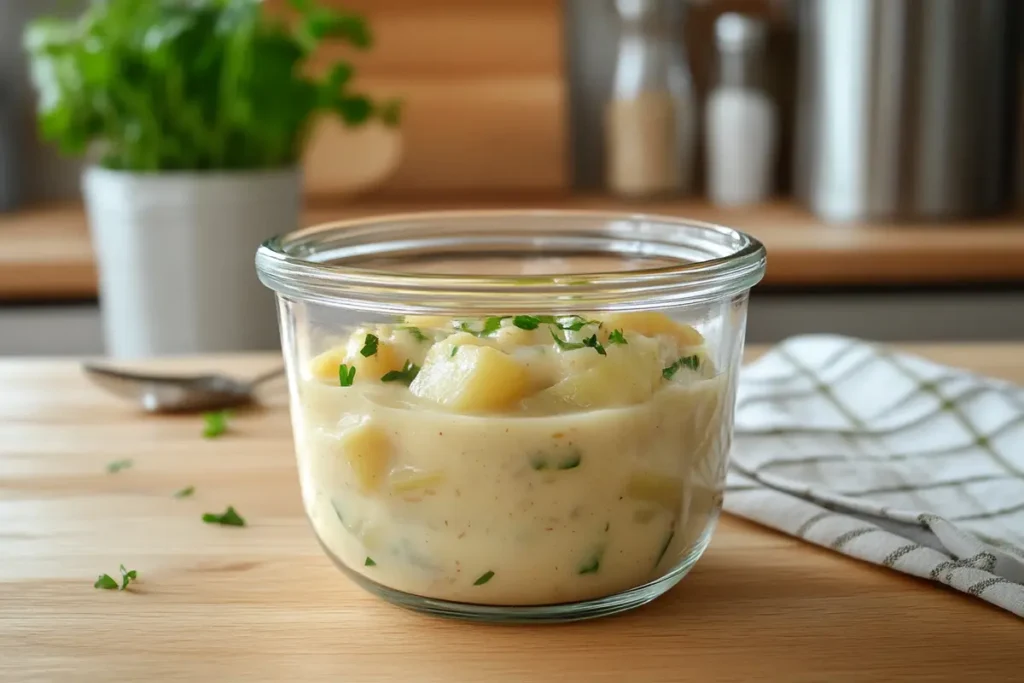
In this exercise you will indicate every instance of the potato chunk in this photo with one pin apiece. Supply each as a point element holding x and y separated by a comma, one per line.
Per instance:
<point>650,324</point>
<point>367,449</point>
<point>627,375</point>
<point>473,379</point>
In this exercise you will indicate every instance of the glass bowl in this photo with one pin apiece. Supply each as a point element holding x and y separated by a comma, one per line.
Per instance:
<point>513,415</point>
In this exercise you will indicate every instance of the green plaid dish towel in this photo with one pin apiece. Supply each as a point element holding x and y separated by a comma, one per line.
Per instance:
<point>888,458</point>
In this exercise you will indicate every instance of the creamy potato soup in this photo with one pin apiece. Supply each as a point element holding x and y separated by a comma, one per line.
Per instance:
<point>518,460</point>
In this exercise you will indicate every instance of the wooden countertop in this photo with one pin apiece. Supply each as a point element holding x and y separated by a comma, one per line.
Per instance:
<point>264,603</point>
<point>46,252</point>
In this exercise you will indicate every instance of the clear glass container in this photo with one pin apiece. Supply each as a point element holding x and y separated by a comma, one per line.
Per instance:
<point>513,415</point>
<point>651,115</point>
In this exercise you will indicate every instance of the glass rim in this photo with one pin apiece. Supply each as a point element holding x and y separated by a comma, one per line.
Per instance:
<point>281,267</point>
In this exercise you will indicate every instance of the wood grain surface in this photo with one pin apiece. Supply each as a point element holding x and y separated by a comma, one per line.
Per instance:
<point>46,252</point>
<point>263,603</point>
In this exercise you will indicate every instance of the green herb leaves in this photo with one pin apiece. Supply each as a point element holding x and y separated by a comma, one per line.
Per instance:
<point>185,492</point>
<point>484,578</point>
<point>490,326</point>
<point>107,582</point>
<point>118,465</point>
<point>589,342</point>
<point>592,342</point>
<point>526,322</point>
<point>369,562</point>
<point>215,424</point>
<point>369,346</point>
<point>199,86</point>
<point>229,518</point>
<point>692,362</point>
<point>406,375</point>
<point>455,350</point>
<point>346,375</point>
<point>616,337</point>
<point>416,333</point>
<point>592,564</point>
<point>567,461</point>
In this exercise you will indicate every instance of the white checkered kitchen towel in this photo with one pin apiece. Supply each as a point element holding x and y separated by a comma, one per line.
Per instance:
<point>888,458</point>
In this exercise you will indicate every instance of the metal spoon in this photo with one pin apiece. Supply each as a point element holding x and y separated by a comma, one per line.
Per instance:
<point>178,393</point>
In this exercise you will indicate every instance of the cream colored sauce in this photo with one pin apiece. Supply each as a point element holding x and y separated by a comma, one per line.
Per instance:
<point>559,508</point>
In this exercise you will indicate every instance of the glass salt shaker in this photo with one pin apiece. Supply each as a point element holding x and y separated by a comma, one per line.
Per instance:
<point>740,118</point>
<point>651,115</point>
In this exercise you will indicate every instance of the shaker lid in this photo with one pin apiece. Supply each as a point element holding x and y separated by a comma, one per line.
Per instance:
<point>736,32</point>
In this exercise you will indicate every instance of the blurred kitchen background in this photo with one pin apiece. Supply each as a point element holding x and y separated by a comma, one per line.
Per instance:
<point>876,147</point>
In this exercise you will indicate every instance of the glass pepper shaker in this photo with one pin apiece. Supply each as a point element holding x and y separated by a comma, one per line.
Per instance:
<point>651,116</point>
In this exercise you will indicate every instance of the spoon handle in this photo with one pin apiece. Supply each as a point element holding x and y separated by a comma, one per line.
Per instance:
<point>266,377</point>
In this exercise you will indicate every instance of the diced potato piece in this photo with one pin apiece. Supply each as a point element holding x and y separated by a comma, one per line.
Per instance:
<point>405,481</point>
<point>367,449</point>
<point>665,490</point>
<point>627,375</point>
<point>650,324</point>
<point>510,337</point>
<point>475,379</point>
<point>325,366</point>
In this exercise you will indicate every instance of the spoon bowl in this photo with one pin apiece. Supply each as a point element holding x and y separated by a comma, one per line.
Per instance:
<point>159,393</point>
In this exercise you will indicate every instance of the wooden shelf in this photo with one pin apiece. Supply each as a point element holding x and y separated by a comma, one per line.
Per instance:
<point>46,252</point>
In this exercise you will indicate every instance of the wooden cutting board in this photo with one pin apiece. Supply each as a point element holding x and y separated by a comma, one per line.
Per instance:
<point>263,603</point>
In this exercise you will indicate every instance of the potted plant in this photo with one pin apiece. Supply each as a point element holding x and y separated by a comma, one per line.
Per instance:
<point>193,114</point>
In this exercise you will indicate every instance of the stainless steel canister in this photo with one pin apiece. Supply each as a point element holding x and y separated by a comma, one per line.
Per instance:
<point>906,108</point>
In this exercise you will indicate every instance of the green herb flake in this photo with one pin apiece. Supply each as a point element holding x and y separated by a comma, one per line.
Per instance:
<point>107,582</point>
<point>346,375</point>
<point>416,333</point>
<point>118,465</point>
<point>526,322</point>
<point>484,578</point>
<point>592,342</point>
<point>592,565</point>
<point>185,492</point>
<point>229,518</point>
<point>616,337</point>
<point>565,345</point>
<point>215,424</point>
<point>406,375</point>
<point>369,346</point>
<point>455,350</point>
<point>491,325</point>
<point>577,324</point>
<point>570,462</point>
<point>538,462</point>
<point>369,562</point>
<point>692,362</point>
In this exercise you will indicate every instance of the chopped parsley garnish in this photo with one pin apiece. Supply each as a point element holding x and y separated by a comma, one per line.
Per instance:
<point>565,345</point>
<point>593,564</point>
<point>229,518</point>
<point>484,578</point>
<point>415,332</point>
<point>215,424</point>
<point>346,375</point>
<point>541,461</point>
<point>369,346</point>
<point>406,375</point>
<point>526,322</point>
<point>532,322</point>
<point>491,325</point>
<point>692,362</point>
<point>119,465</point>
<point>616,337</point>
<point>185,492</point>
<point>369,562</point>
<point>592,342</point>
<point>107,582</point>
<point>455,350</point>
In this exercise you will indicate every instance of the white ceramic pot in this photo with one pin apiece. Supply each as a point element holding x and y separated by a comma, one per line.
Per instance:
<point>175,254</point>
